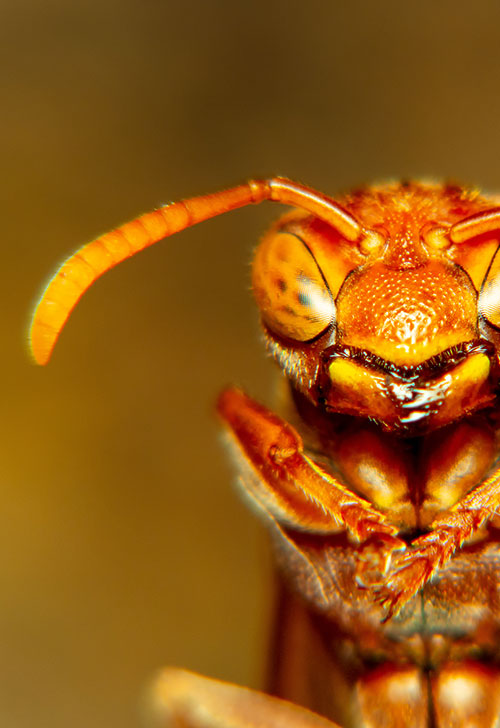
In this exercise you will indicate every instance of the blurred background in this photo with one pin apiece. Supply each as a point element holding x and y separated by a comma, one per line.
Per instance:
<point>123,545</point>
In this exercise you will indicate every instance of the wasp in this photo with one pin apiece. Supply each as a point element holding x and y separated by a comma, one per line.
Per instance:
<point>378,471</point>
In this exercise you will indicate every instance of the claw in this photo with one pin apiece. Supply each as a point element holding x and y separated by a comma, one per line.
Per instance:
<point>412,571</point>
<point>389,601</point>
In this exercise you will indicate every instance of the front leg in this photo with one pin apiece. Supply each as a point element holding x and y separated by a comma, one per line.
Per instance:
<point>182,699</point>
<point>412,569</point>
<point>287,484</point>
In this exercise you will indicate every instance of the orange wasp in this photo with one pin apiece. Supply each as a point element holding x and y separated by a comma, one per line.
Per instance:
<point>379,478</point>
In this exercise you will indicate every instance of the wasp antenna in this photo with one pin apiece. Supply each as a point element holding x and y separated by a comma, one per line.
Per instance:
<point>79,271</point>
<point>292,193</point>
<point>487,221</point>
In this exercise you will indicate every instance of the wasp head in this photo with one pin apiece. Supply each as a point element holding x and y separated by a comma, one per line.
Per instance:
<point>390,327</point>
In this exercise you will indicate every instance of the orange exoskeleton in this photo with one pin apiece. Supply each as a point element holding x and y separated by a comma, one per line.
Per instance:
<point>380,478</point>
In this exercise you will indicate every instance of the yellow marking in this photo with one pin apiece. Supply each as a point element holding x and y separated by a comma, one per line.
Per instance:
<point>348,374</point>
<point>475,369</point>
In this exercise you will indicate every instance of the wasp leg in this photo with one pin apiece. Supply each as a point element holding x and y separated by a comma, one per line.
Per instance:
<point>182,699</point>
<point>374,558</point>
<point>412,569</point>
<point>287,484</point>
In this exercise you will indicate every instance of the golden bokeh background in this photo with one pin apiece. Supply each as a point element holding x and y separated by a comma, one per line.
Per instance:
<point>123,545</point>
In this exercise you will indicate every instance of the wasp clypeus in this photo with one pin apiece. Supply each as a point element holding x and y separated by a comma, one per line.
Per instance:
<point>380,477</point>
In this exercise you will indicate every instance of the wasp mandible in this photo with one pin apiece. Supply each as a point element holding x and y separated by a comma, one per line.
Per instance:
<point>379,476</point>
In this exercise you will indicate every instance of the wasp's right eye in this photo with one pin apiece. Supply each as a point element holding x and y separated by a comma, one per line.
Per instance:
<point>489,296</point>
<point>292,295</point>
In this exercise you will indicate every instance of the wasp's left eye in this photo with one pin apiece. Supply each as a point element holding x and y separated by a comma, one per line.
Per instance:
<point>293,297</point>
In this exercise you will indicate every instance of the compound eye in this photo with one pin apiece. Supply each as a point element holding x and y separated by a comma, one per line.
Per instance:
<point>489,297</point>
<point>292,295</point>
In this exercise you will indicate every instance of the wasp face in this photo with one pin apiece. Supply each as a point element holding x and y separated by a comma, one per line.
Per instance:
<point>407,350</point>
<point>388,330</point>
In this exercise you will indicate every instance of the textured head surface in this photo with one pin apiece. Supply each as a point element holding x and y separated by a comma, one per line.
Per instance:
<point>406,315</point>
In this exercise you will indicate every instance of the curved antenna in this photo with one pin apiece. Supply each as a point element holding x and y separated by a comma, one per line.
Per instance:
<point>487,221</point>
<point>79,271</point>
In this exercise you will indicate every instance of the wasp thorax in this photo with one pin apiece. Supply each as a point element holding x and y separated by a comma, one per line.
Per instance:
<point>406,316</point>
